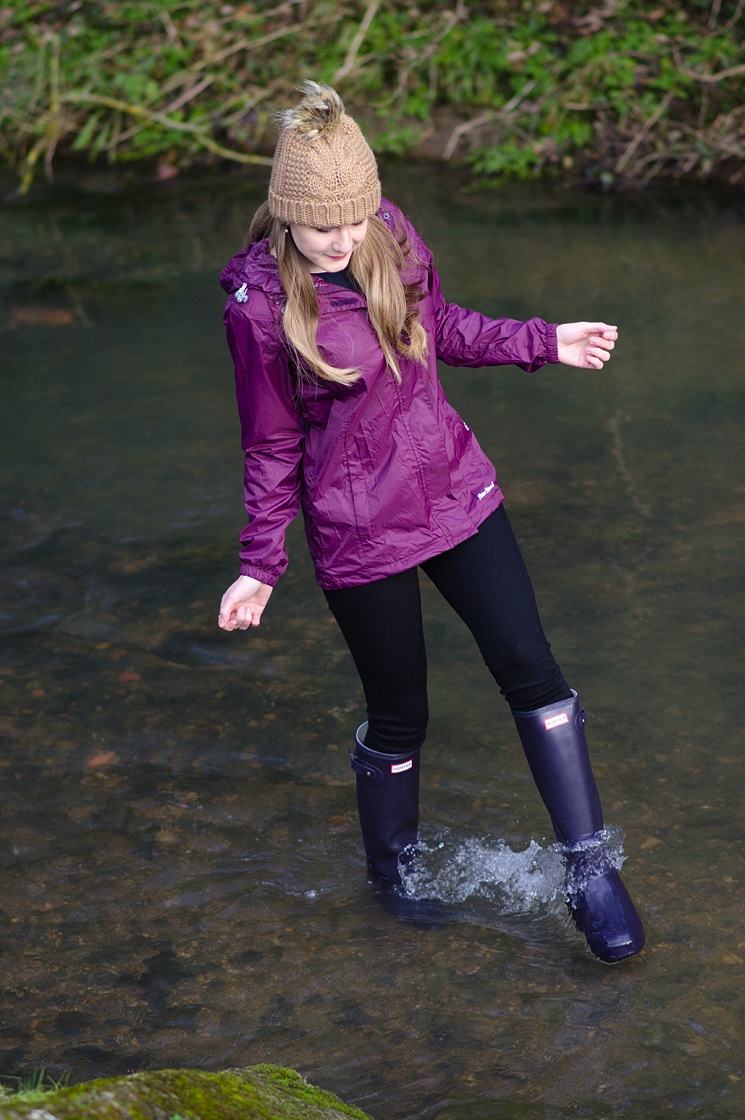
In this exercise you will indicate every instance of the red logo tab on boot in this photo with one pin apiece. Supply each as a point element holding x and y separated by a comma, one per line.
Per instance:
<point>556,721</point>
<point>399,767</point>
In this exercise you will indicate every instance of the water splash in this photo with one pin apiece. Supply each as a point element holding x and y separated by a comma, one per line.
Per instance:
<point>453,871</point>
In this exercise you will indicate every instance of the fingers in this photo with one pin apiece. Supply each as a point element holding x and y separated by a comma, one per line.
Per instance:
<point>601,340</point>
<point>586,345</point>
<point>243,617</point>
<point>240,617</point>
<point>226,619</point>
<point>606,339</point>
<point>243,604</point>
<point>596,357</point>
<point>599,347</point>
<point>249,615</point>
<point>605,330</point>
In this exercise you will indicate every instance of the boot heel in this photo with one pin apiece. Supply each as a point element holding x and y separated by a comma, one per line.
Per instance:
<point>599,902</point>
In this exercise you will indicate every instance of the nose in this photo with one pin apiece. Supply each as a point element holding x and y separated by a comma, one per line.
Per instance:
<point>344,242</point>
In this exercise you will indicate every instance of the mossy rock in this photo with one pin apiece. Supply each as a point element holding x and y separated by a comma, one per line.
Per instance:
<point>255,1093</point>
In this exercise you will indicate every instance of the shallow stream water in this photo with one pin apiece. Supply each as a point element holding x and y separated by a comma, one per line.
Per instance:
<point>181,876</point>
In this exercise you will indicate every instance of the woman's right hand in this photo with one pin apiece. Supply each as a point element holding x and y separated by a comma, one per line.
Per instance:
<point>243,603</point>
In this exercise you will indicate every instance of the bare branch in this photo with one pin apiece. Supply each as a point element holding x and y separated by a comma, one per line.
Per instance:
<point>722,76</point>
<point>354,47</point>
<point>738,12</point>
<point>643,132</point>
<point>485,118</point>
<point>177,103</point>
<point>138,111</point>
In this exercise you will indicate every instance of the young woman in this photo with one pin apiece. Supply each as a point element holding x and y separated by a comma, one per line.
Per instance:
<point>335,322</point>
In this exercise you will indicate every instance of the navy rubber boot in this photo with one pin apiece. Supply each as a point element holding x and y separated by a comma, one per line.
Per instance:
<point>553,739</point>
<point>388,803</point>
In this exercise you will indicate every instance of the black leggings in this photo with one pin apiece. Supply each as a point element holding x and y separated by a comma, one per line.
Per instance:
<point>485,580</point>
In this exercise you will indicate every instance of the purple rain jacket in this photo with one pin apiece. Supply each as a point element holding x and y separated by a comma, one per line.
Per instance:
<point>387,474</point>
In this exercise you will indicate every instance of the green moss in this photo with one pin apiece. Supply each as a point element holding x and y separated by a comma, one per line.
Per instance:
<point>261,1092</point>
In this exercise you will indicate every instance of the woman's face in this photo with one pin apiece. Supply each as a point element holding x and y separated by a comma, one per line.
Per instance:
<point>328,250</point>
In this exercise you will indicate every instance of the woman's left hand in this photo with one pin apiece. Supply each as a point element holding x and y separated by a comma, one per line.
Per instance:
<point>243,604</point>
<point>586,345</point>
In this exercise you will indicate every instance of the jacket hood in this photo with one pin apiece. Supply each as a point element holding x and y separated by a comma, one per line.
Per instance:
<point>254,266</point>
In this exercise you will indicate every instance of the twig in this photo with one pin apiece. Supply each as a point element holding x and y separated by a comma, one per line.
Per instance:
<point>254,44</point>
<point>721,76</point>
<point>171,31</point>
<point>182,99</point>
<point>485,118</point>
<point>54,132</point>
<point>354,47</point>
<point>703,110</point>
<point>587,106</point>
<point>461,129</point>
<point>655,169</point>
<point>513,102</point>
<point>53,122</point>
<point>738,12</point>
<point>643,132</point>
<point>718,144</point>
<point>168,122</point>
<point>247,104</point>
<point>452,19</point>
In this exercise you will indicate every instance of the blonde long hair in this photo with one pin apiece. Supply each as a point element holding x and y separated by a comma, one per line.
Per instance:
<point>377,265</point>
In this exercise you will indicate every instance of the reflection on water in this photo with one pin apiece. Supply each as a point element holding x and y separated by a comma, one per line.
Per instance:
<point>181,874</point>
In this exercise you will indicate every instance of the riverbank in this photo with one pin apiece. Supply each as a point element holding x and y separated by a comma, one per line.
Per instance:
<point>615,95</point>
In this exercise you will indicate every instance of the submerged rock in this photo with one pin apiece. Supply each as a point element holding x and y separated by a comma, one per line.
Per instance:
<point>260,1092</point>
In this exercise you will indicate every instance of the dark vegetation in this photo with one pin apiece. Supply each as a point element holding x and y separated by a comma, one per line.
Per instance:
<point>613,93</point>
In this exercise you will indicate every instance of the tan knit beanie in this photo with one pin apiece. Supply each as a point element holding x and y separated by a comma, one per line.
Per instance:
<point>324,171</point>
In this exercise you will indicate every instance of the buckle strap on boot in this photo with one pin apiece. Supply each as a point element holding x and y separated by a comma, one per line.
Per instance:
<point>366,769</point>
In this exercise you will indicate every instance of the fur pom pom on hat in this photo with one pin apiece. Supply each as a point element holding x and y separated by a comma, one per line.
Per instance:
<point>324,171</point>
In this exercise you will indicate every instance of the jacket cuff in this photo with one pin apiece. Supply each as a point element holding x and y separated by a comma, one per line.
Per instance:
<point>269,578</point>
<point>552,346</point>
